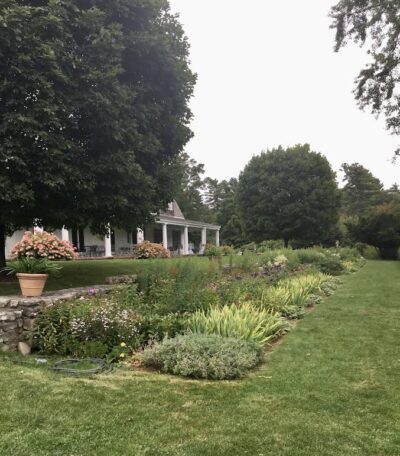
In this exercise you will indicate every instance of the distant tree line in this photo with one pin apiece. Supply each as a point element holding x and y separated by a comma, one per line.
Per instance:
<point>292,195</point>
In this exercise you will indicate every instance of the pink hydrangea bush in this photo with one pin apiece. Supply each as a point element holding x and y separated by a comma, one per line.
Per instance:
<point>150,250</point>
<point>43,245</point>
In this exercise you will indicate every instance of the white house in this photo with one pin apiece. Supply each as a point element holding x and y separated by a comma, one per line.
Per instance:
<point>177,234</point>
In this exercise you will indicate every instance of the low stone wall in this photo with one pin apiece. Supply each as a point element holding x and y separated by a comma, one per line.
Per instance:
<point>17,314</point>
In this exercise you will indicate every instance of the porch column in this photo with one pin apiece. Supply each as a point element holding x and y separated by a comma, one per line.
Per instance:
<point>64,234</point>
<point>107,244</point>
<point>186,240</point>
<point>203,240</point>
<point>140,236</point>
<point>165,236</point>
<point>217,238</point>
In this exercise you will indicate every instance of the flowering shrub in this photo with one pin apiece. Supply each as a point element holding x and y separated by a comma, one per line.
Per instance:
<point>150,250</point>
<point>108,322</point>
<point>280,260</point>
<point>89,326</point>
<point>43,245</point>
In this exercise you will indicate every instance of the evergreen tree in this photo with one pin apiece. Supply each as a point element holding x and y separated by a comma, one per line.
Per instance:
<point>361,192</point>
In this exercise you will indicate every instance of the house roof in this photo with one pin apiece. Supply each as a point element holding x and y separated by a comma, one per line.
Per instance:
<point>174,216</point>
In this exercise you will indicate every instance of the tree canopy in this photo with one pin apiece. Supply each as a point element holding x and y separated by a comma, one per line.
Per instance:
<point>380,228</point>
<point>374,23</point>
<point>93,111</point>
<point>289,194</point>
<point>190,194</point>
<point>222,197</point>
<point>362,191</point>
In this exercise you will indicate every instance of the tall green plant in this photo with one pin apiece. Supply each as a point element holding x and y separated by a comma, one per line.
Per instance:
<point>244,322</point>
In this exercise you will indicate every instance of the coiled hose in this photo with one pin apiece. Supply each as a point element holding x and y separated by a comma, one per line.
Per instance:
<point>65,366</point>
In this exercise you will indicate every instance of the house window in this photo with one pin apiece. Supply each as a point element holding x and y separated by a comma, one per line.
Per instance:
<point>131,237</point>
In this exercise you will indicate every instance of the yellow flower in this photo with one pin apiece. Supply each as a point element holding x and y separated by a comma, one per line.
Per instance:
<point>122,355</point>
<point>123,344</point>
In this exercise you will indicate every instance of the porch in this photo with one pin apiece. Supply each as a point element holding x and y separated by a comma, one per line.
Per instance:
<point>186,238</point>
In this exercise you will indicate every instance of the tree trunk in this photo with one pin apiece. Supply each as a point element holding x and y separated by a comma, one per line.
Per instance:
<point>286,241</point>
<point>2,246</point>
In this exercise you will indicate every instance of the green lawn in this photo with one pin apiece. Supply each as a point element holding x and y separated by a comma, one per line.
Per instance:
<point>87,272</point>
<point>331,388</point>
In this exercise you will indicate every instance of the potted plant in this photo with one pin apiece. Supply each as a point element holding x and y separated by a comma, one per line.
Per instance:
<point>33,260</point>
<point>32,274</point>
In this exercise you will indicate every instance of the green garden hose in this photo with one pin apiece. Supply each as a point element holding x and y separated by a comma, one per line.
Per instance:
<point>65,366</point>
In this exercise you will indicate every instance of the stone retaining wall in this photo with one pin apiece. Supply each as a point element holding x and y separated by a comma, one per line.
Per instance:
<point>17,314</point>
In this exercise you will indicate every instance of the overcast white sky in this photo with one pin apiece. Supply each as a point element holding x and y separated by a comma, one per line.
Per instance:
<point>268,76</point>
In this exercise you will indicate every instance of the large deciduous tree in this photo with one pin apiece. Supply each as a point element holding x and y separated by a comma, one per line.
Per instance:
<point>374,23</point>
<point>93,111</point>
<point>289,194</point>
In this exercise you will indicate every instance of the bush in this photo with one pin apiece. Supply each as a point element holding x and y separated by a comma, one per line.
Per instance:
<point>243,322</point>
<point>88,325</point>
<point>310,256</point>
<point>43,245</point>
<point>250,247</point>
<point>212,251</point>
<point>367,251</point>
<point>147,250</point>
<point>156,327</point>
<point>203,356</point>
<point>247,262</point>
<point>330,265</point>
<point>227,250</point>
<point>270,245</point>
<point>181,288</point>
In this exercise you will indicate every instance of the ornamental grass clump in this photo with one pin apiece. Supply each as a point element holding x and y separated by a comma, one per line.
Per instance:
<point>292,295</point>
<point>31,265</point>
<point>43,245</point>
<point>203,356</point>
<point>244,322</point>
<point>276,299</point>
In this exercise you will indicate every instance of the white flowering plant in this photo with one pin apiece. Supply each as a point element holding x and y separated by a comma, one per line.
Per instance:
<point>93,326</point>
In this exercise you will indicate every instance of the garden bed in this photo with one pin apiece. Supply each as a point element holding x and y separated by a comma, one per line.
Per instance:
<point>251,299</point>
<point>330,386</point>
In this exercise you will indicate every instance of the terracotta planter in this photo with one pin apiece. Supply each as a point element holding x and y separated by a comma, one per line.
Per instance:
<point>32,284</point>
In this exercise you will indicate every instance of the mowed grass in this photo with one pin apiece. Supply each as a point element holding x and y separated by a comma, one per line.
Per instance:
<point>84,273</point>
<point>332,387</point>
